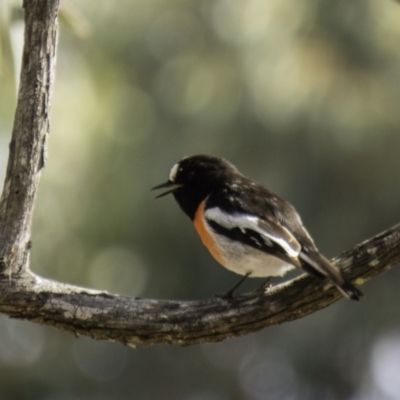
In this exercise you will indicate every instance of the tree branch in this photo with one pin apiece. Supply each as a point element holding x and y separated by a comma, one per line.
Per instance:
<point>144,321</point>
<point>127,320</point>
<point>31,127</point>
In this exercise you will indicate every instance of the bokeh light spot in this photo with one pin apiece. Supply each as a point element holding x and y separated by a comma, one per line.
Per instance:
<point>21,342</point>
<point>100,361</point>
<point>268,375</point>
<point>118,270</point>
<point>385,365</point>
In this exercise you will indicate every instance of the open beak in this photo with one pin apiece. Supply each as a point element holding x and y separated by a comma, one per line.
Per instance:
<point>169,185</point>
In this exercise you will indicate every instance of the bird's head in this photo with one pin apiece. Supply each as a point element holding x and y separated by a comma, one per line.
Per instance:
<point>193,178</point>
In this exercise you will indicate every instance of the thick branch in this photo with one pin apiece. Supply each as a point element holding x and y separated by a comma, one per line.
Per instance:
<point>31,126</point>
<point>144,321</point>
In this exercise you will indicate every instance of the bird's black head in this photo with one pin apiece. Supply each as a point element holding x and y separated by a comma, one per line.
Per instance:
<point>192,179</point>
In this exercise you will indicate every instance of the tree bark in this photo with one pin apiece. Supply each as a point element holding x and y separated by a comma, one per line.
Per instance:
<point>127,320</point>
<point>31,126</point>
<point>135,321</point>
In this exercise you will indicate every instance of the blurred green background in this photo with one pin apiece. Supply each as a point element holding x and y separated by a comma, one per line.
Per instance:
<point>303,96</point>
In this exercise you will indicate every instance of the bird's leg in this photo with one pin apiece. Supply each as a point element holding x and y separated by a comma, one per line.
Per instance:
<point>229,293</point>
<point>265,285</point>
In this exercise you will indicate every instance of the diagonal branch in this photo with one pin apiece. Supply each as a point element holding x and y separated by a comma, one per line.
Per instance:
<point>110,317</point>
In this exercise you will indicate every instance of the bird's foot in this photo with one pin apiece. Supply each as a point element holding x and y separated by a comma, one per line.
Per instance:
<point>226,296</point>
<point>265,286</point>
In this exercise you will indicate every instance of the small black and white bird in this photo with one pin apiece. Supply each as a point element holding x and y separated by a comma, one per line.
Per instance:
<point>246,227</point>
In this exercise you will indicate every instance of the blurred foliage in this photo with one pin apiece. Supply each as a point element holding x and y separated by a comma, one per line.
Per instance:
<point>301,96</point>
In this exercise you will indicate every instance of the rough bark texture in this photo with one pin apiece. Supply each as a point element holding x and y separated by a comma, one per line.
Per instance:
<point>28,141</point>
<point>145,321</point>
<point>104,316</point>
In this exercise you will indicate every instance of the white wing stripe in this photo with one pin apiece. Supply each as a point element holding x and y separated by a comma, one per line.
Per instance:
<point>245,221</point>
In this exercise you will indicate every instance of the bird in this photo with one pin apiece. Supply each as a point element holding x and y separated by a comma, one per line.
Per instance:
<point>246,227</point>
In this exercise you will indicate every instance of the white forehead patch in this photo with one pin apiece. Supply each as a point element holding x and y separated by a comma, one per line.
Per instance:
<point>174,171</point>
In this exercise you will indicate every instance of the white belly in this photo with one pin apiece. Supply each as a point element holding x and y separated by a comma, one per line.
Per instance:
<point>243,259</point>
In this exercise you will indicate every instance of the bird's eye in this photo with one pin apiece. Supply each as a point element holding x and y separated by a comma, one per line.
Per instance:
<point>191,175</point>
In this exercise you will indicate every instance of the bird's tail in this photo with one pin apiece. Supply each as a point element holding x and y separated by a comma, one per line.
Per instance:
<point>316,264</point>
